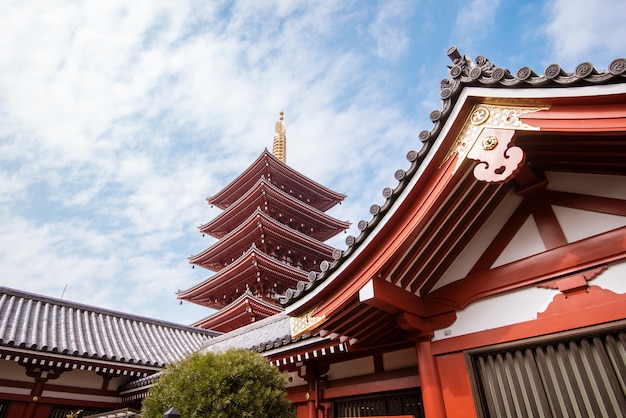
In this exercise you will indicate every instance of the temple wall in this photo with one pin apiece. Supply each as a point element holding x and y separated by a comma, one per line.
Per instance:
<point>497,311</point>
<point>351,368</point>
<point>455,386</point>
<point>10,370</point>
<point>399,359</point>
<point>82,378</point>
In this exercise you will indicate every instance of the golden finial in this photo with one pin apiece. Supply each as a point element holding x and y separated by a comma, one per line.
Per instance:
<point>279,148</point>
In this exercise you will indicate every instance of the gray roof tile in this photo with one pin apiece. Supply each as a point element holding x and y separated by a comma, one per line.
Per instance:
<point>264,335</point>
<point>45,324</point>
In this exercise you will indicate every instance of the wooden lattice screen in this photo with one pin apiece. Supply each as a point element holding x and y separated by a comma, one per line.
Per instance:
<point>583,376</point>
<point>385,404</point>
<point>4,409</point>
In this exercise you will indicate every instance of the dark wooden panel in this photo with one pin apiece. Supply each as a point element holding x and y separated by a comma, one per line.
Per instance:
<point>582,377</point>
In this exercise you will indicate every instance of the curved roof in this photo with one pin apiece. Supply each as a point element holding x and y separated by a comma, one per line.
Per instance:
<point>268,166</point>
<point>245,309</point>
<point>259,228</point>
<point>269,197</point>
<point>236,275</point>
<point>463,73</point>
<point>40,325</point>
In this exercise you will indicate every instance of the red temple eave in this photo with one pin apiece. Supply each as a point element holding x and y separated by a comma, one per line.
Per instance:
<point>382,244</point>
<point>444,205</point>
<point>260,196</point>
<point>267,165</point>
<point>230,247</point>
<point>248,265</point>
<point>245,308</point>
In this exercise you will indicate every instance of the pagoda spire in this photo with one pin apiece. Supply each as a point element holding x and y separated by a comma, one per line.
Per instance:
<point>279,148</point>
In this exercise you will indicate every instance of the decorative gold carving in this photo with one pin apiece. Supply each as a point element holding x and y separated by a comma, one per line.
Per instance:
<point>498,161</point>
<point>490,143</point>
<point>488,116</point>
<point>480,115</point>
<point>279,146</point>
<point>302,324</point>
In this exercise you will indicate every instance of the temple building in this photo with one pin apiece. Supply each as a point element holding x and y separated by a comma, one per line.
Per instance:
<point>270,235</point>
<point>59,358</point>
<point>490,282</point>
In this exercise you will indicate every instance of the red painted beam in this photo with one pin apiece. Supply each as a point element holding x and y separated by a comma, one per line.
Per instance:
<point>599,249</point>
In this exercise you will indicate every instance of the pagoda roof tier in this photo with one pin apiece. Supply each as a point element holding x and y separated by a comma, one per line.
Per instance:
<point>285,177</point>
<point>281,206</point>
<point>246,309</point>
<point>271,237</point>
<point>223,287</point>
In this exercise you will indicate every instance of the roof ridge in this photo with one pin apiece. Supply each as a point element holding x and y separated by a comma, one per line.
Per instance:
<point>463,73</point>
<point>90,308</point>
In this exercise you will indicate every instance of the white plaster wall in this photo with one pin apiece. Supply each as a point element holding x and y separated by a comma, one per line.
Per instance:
<point>399,359</point>
<point>80,396</point>
<point>591,184</point>
<point>350,368</point>
<point>579,224</point>
<point>119,381</point>
<point>80,378</point>
<point>293,379</point>
<point>498,311</point>
<point>525,243</point>
<point>10,370</point>
<point>613,278</point>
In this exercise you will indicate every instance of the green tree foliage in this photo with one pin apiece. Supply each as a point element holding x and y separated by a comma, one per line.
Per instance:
<point>236,383</point>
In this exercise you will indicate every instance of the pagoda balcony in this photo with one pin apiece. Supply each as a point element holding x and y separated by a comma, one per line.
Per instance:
<point>279,205</point>
<point>278,173</point>
<point>245,309</point>
<point>254,271</point>
<point>270,237</point>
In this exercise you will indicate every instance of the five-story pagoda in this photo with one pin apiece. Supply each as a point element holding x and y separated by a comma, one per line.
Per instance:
<point>270,235</point>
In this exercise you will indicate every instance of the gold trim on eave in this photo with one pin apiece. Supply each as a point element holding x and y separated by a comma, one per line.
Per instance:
<point>488,116</point>
<point>302,324</point>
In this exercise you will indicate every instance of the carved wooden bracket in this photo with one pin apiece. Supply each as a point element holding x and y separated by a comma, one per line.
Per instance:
<point>573,283</point>
<point>305,323</point>
<point>486,136</point>
<point>498,161</point>
<point>42,373</point>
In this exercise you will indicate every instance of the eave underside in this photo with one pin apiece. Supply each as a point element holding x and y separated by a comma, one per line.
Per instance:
<point>281,206</point>
<point>243,311</point>
<point>461,207</point>
<point>254,272</point>
<point>283,177</point>
<point>270,237</point>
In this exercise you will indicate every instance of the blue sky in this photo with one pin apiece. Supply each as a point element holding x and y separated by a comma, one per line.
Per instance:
<point>118,118</point>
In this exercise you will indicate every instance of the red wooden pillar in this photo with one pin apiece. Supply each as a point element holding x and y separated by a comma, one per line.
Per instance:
<point>312,409</point>
<point>432,395</point>
<point>311,372</point>
<point>35,394</point>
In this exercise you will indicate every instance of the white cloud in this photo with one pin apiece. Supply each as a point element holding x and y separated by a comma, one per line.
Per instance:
<point>579,30</point>
<point>475,22</point>
<point>118,118</point>
<point>390,36</point>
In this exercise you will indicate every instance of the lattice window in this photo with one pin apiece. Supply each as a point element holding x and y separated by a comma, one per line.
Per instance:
<point>64,411</point>
<point>4,409</point>
<point>406,403</point>
<point>579,376</point>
